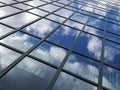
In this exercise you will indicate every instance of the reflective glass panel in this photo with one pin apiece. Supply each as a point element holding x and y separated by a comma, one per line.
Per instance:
<point>7,56</point>
<point>21,19</point>
<point>67,82</point>
<point>41,28</point>
<point>80,17</point>
<point>83,67</point>
<point>49,53</point>
<point>89,45</point>
<point>64,36</point>
<point>64,12</point>
<point>27,75</point>
<point>112,53</point>
<point>20,41</point>
<point>111,78</point>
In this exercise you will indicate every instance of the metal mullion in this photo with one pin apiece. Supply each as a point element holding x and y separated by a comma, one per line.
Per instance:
<point>27,52</point>
<point>102,59</point>
<point>51,84</point>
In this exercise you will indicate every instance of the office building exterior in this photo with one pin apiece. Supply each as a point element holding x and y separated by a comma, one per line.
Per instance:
<point>59,45</point>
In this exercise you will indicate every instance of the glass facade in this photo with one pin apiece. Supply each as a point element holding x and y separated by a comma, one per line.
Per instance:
<point>59,45</point>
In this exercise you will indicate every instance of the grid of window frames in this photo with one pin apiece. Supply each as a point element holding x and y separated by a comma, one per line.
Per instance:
<point>59,44</point>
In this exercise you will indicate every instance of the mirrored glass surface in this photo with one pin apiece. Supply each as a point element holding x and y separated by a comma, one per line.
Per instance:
<point>87,8</point>
<point>111,78</point>
<point>64,12</point>
<point>20,41</point>
<point>74,24</point>
<point>89,45</point>
<point>7,10</point>
<point>4,30</point>
<point>76,5</point>
<point>22,6</point>
<point>21,19</point>
<point>67,82</point>
<point>7,56</point>
<point>113,28</point>
<point>112,53</point>
<point>64,36</point>
<point>93,31</point>
<point>41,28</point>
<point>80,18</point>
<point>49,7</point>
<point>27,75</point>
<point>96,23</point>
<point>83,66</point>
<point>113,16</point>
<point>56,18</point>
<point>35,3</point>
<point>49,53</point>
<point>100,12</point>
<point>38,12</point>
<point>7,1</point>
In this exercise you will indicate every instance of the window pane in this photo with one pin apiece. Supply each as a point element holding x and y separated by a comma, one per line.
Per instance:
<point>96,23</point>
<point>7,56</point>
<point>41,28</point>
<point>80,18</point>
<point>4,11</point>
<point>35,3</point>
<point>64,12</point>
<point>113,28</point>
<point>93,31</point>
<point>87,9</point>
<point>4,30</point>
<point>112,53</point>
<point>111,78</point>
<point>76,5</point>
<point>89,45</point>
<point>74,24</point>
<point>38,12</point>
<point>21,19</point>
<point>83,67</point>
<point>49,7</point>
<point>20,41</point>
<point>64,36</point>
<point>32,74</point>
<point>67,82</point>
<point>49,53</point>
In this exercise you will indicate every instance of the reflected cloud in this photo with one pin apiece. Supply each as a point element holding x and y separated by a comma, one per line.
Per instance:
<point>49,53</point>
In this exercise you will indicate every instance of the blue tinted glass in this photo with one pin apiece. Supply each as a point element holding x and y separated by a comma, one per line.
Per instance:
<point>41,28</point>
<point>83,67</point>
<point>67,82</point>
<point>64,36</point>
<point>112,53</point>
<point>49,53</point>
<point>96,23</point>
<point>113,37</point>
<point>27,75</point>
<point>113,28</point>
<point>112,16</point>
<point>93,31</point>
<point>111,78</point>
<point>80,17</point>
<point>76,5</point>
<point>20,41</point>
<point>89,45</point>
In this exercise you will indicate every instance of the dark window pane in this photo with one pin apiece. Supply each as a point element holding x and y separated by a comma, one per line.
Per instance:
<point>49,53</point>
<point>67,82</point>
<point>20,41</point>
<point>27,75</point>
<point>83,67</point>
<point>64,36</point>
<point>89,45</point>
<point>111,78</point>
